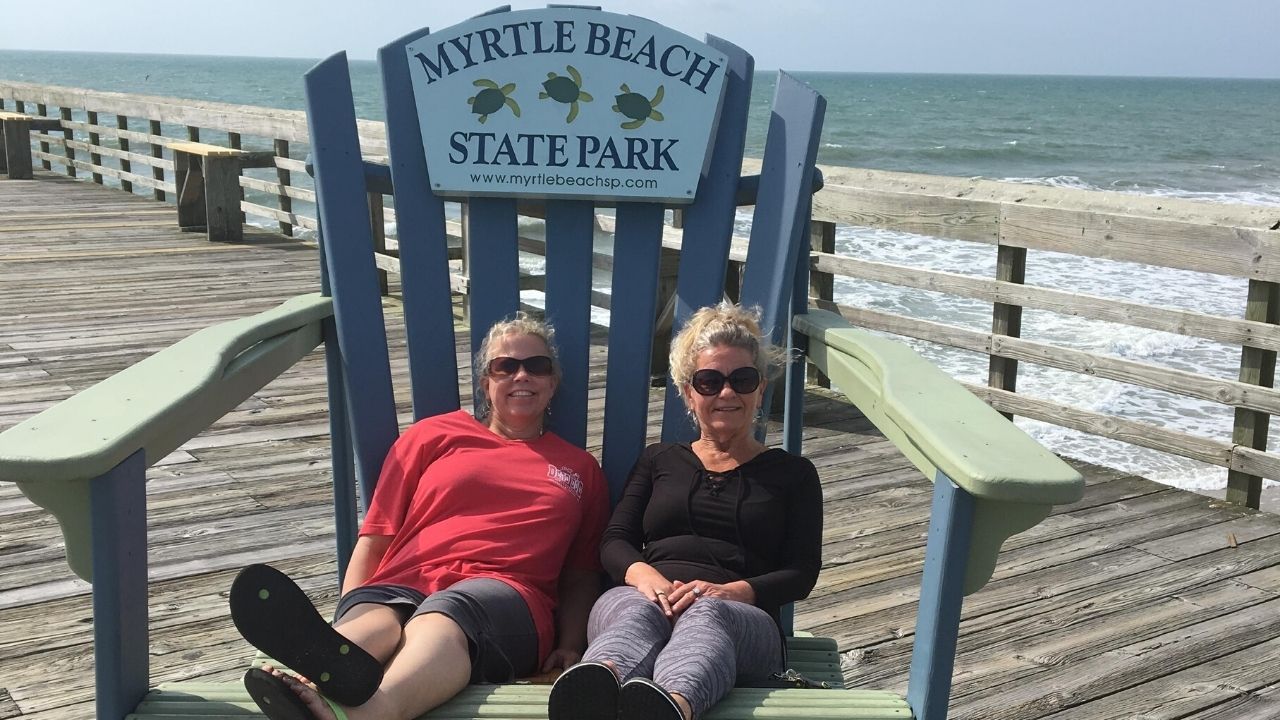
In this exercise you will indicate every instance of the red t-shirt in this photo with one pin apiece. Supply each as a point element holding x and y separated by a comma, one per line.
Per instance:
<point>462,502</point>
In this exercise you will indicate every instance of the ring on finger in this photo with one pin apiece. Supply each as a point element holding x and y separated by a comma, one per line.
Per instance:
<point>697,592</point>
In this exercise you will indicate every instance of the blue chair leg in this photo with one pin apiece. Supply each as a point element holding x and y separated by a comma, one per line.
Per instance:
<point>941,595</point>
<point>119,531</point>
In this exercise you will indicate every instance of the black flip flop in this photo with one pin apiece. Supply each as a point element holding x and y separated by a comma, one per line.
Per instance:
<point>277,700</point>
<point>275,616</point>
<point>586,691</point>
<point>642,699</point>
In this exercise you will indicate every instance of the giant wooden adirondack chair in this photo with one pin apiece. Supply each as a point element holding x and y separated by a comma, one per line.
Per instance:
<point>85,459</point>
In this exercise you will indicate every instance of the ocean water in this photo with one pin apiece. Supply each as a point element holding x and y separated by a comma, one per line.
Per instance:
<point>1206,139</point>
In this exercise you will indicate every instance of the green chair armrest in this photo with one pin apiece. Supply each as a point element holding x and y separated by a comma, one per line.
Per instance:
<point>943,428</point>
<point>154,406</point>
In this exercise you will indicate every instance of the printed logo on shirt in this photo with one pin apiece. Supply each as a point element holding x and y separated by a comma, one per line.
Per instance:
<point>567,479</point>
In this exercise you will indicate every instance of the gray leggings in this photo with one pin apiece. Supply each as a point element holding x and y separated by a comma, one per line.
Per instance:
<point>712,645</point>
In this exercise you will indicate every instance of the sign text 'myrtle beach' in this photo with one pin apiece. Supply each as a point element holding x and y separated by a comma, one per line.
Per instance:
<point>566,102</point>
<point>532,38</point>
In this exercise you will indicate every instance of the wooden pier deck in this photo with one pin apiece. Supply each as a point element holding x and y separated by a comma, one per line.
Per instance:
<point>1140,601</point>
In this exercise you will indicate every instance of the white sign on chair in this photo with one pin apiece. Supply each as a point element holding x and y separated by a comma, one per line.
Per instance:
<point>566,103</point>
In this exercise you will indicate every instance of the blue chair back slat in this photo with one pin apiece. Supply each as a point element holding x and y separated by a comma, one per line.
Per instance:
<point>424,249</point>
<point>493,266</point>
<point>348,241</point>
<point>636,256</point>
<point>708,222</point>
<point>570,230</point>
<point>782,202</point>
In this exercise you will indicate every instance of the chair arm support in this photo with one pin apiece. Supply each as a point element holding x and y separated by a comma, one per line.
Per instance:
<point>154,406</point>
<point>944,429</point>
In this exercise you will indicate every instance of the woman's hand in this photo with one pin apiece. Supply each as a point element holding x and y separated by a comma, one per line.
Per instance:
<point>561,658</point>
<point>685,594</point>
<point>652,584</point>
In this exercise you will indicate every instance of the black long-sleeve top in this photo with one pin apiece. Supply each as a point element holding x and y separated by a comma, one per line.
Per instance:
<point>761,522</point>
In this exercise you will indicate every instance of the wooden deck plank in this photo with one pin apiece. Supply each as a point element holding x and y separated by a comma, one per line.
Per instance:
<point>1059,687</point>
<point>1131,602</point>
<point>1197,688</point>
<point>1263,703</point>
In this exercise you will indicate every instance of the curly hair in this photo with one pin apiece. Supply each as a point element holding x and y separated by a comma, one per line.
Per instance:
<point>521,324</point>
<point>723,325</point>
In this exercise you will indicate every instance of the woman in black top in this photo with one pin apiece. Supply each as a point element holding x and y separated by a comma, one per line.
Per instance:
<point>708,541</point>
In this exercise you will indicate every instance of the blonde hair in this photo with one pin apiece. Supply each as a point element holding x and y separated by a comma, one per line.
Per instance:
<point>521,324</point>
<point>723,325</point>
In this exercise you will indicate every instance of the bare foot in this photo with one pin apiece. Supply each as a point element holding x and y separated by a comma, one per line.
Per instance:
<point>306,691</point>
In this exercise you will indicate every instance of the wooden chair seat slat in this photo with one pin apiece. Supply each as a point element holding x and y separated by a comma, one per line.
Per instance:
<point>184,701</point>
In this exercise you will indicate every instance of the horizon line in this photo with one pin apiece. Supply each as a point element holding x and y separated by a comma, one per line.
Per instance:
<point>991,73</point>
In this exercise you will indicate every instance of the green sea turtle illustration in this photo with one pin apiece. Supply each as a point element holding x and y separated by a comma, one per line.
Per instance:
<point>567,90</point>
<point>491,99</point>
<point>637,107</point>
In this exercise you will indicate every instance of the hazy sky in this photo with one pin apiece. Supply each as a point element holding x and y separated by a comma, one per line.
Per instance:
<point>1221,38</point>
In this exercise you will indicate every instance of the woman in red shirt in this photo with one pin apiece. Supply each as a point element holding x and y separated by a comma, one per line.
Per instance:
<point>477,560</point>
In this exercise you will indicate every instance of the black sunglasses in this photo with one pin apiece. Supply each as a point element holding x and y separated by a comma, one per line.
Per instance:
<point>504,366</point>
<point>711,382</point>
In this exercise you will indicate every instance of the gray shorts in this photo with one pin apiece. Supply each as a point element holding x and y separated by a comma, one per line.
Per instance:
<point>501,636</point>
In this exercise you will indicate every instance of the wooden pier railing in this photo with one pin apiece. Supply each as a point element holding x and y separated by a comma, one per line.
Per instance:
<point>124,140</point>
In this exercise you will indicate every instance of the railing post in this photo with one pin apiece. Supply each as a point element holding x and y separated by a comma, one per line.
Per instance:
<point>68,135</point>
<point>1257,367</point>
<point>733,280</point>
<point>284,178</point>
<point>822,237</point>
<point>660,350</point>
<point>43,111</point>
<point>122,123</point>
<point>466,260</point>
<point>1011,266</point>
<point>95,159</point>
<point>233,141</point>
<point>378,225</point>
<point>157,151</point>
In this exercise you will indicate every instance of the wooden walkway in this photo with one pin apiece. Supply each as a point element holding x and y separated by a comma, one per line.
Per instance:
<point>1138,602</point>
